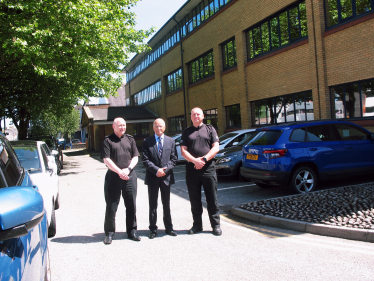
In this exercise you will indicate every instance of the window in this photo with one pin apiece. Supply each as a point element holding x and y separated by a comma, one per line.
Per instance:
<point>338,11</point>
<point>141,129</point>
<point>229,54</point>
<point>201,68</point>
<point>298,135</point>
<point>233,118</point>
<point>320,133</point>
<point>198,15</point>
<point>174,81</point>
<point>289,108</point>
<point>11,170</point>
<point>351,132</point>
<point>352,100</point>
<point>211,117</point>
<point>177,124</point>
<point>150,93</point>
<point>279,30</point>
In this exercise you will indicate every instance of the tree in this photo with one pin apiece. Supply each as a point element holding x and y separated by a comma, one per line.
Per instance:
<point>57,52</point>
<point>46,123</point>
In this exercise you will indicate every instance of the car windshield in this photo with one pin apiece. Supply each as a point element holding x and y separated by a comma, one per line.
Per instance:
<point>265,138</point>
<point>246,139</point>
<point>226,137</point>
<point>29,158</point>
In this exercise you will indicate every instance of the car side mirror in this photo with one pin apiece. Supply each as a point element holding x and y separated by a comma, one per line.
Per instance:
<point>54,152</point>
<point>21,209</point>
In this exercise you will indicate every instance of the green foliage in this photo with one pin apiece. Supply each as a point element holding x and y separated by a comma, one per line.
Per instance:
<point>46,123</point>
<point>58,52</point>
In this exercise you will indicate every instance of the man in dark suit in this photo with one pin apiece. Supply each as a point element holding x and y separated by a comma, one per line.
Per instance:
<point>159,157</point>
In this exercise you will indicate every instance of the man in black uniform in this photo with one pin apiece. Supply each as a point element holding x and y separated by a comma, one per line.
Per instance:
<point>120,154</point>
<point>199,145</point>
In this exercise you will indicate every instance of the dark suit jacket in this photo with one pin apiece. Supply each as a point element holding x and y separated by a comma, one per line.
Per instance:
<point>152,160</point>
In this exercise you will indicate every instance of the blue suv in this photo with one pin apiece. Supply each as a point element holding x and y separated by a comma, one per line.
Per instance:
<point>23,225</point>
<point>303,153</point>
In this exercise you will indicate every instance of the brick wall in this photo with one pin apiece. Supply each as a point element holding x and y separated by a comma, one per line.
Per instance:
<point>325,58</point>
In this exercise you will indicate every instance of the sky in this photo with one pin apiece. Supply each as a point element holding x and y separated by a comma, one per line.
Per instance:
<point>155,12</point>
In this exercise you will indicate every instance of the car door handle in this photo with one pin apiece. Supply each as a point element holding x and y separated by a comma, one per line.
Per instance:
<point>313,149</point>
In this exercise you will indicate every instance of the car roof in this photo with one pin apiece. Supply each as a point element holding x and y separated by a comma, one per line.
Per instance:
<point>293,125</point>
<point>26,143</point>
<point>242,131</point>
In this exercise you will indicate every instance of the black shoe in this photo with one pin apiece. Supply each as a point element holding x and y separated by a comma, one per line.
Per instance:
<point>108,238</point>
<point>195,229</point>
<point>134,237</point>
<point>217,230</point>
<point>171,232</point>
<point>152,234</point>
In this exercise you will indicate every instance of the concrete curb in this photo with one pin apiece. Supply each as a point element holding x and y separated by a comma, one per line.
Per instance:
<point>313,228</point>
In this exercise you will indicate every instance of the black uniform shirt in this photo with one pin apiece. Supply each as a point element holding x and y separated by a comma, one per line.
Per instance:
<point>119,150</point>
<point>199,141</point>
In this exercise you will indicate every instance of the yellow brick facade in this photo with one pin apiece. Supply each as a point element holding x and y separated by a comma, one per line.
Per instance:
<point>339,55</point>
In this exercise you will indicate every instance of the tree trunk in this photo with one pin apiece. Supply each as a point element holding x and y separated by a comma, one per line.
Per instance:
<point>23,125</point>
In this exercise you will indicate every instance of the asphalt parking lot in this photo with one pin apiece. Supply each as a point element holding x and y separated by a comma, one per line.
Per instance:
<point>245,251</point>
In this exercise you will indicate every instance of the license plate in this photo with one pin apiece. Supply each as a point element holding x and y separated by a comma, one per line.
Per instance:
<point>252,156</point>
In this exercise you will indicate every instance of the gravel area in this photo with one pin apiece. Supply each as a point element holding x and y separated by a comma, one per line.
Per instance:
<point>349,206</point>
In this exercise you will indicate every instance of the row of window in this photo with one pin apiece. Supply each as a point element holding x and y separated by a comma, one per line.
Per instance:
<point>288,108</point>
<point>150,93</point>
<point>281,29</point>
<point>339,11</point>
<point>352,100</point>
<point>203,11</point>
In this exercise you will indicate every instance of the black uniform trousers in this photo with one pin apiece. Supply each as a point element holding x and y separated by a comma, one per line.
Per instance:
<point>153,201</point>
<point>113,188</point>
<point>207,178</point>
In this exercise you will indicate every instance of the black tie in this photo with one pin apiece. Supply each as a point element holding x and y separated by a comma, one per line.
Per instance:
<point>159,146</point>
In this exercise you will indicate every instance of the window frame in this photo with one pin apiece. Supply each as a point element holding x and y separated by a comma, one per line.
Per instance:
<point>148,94</point>
<point>254,51</point>
<point>225,57</point>
<point>175,81</point>
<point>199,68</point>
<point>271,104</point>
<point>142,125</point>
<point>173,128</point>
<point>340,20</point>
<point>362,103</point>
<point>230,113</point>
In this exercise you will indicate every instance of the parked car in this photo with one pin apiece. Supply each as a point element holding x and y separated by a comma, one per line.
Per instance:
<point>177,139</point>
<point>76,141</point>
<point>43,172</point>
<point>233,138</point>
<point>23,232</point>
<point>226,140</point>
<point>54,148</point>
<point>303,153</point>
<point>229,160</point>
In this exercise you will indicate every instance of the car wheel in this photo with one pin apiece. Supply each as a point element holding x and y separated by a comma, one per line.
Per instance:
<point>52,225</point>
<point>57,202</point>
<point>304,180</point>
<point>263,185</point>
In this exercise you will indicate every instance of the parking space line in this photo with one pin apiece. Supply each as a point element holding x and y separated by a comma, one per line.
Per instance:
<point>232,187</point>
